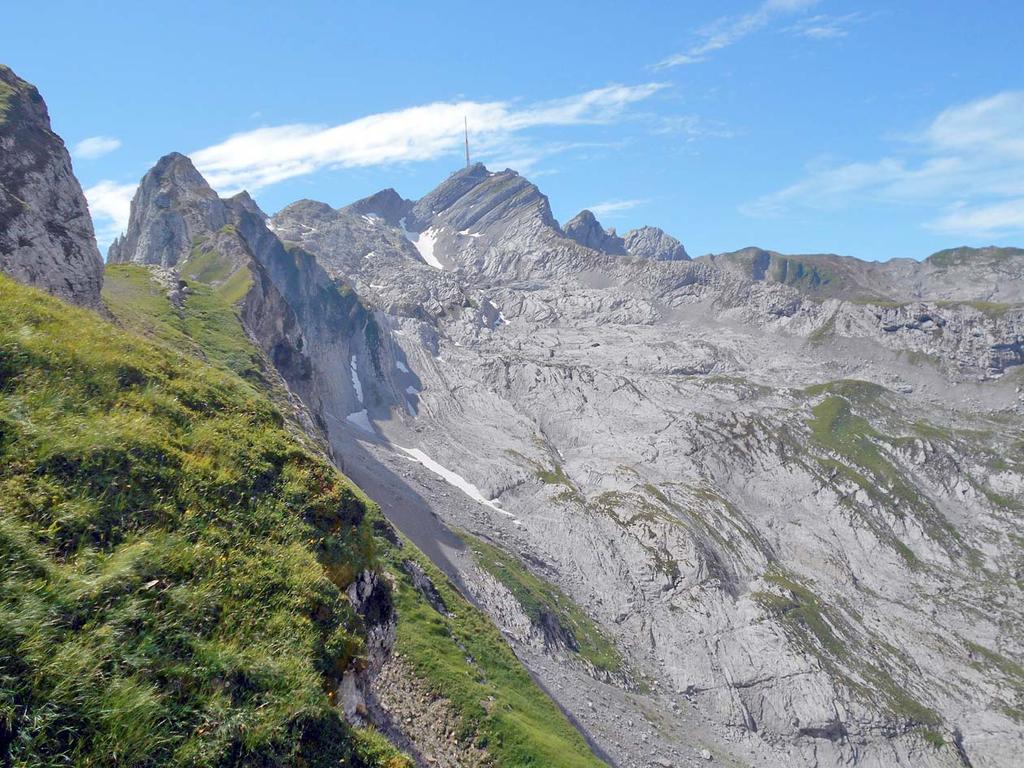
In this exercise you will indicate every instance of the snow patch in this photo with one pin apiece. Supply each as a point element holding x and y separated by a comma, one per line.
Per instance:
<point>453,478</point>
<point>411,390</point>
<point>356,384</point>
<point>467,233</point>
<point>369,255</point>
<point>399,364</point>
<point>424,242</point>
<point>361,419</point>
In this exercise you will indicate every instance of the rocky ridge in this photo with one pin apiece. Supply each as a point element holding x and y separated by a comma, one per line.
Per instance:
<point>46,233</point>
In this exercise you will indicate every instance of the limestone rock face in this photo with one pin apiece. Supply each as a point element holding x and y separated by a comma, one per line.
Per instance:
<point>387,204</point>
<point>586,230</point>
<point>46,233</point>
<point>172,207</point>
<point>654,243</point>
<point>783,495</point>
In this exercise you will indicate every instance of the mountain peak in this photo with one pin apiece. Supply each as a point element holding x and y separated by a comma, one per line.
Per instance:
<point>46,233</point>
<point>476,198</point>
<point>172,206</point>
<point>586,230</point>
<point>387,204</point>
<point>654,243</point>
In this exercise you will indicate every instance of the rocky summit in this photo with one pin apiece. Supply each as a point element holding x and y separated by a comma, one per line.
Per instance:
<point>748,509</point>
<point>46,233</point>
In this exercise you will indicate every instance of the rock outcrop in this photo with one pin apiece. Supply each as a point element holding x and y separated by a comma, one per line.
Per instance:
<point>172,207</point>
<point>586,230</point>
<point>46,233</point>
<point>654,243</point>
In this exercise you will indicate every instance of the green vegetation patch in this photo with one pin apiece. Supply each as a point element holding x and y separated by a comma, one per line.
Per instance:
<point>463,658</point>
<point>206,325</point>
<point>539,599</point>
<point>991,309</point>
<point>821,631</point>
<point>853,449</point>
<point>804,275</point>
<point>174,563</point>
<point>6,94</point>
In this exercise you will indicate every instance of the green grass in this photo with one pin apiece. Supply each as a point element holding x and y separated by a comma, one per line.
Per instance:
<point>174,562</point>
<point>853,450</point>
<point>207,325</point>
<point>6,92</point>
<point>463,658</point>
<point>821,631</point>
<point>537,597</point>
<point>805,275</point>
<point>991,309</point>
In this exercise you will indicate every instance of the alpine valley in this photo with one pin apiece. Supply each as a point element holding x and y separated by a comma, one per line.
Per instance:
<point>601,502</point>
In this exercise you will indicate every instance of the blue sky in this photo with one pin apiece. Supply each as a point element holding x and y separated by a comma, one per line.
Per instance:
<point>874,129</point>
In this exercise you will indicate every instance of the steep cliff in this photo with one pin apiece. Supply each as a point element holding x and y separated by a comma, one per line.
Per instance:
<point>46,233</point>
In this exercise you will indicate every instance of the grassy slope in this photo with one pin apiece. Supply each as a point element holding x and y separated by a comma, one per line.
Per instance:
<point>206,326</point>
<point>463,657</point>
<point>174,562</point>
<point>537,596</point>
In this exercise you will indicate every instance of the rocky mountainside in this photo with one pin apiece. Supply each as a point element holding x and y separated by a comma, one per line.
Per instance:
<point>783,486</point>
<point>46,233</point>
<point>188,580</point>
<point>751,508</point>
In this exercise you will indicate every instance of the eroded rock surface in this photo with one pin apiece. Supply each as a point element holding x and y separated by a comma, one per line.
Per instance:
<point>46,233</point>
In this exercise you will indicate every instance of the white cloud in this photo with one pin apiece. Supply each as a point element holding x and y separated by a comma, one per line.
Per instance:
<point>823,27</point>
<point>995,219</point>
<point>264,156</point>
<point>95,146</point>
<point>110,206</point>
<point>968,162</point>
<point>611,208</point>
<point>729,30</point>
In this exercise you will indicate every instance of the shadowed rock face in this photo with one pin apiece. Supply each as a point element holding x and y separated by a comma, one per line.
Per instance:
<point>46,234</point>
<point>586,230</point>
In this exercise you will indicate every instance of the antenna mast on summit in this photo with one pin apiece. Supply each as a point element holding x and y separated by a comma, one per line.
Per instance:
<point>465,121</point>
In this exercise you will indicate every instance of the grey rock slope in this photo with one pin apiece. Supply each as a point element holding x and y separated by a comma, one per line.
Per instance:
<point>46,233</point>
<point>795,505</point>
<point>308,324</point>
<point>653,243</point>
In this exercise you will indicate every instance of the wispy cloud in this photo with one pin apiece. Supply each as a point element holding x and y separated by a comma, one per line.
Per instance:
<point>690,127</point>
<point>968,164</point>
<point>983,220</point>
<point>95,146</point>
<point>264,156</point>
<point>611,208</point>
<point>729,30</point>
<point>825,27</point>
<point>110,205</point>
